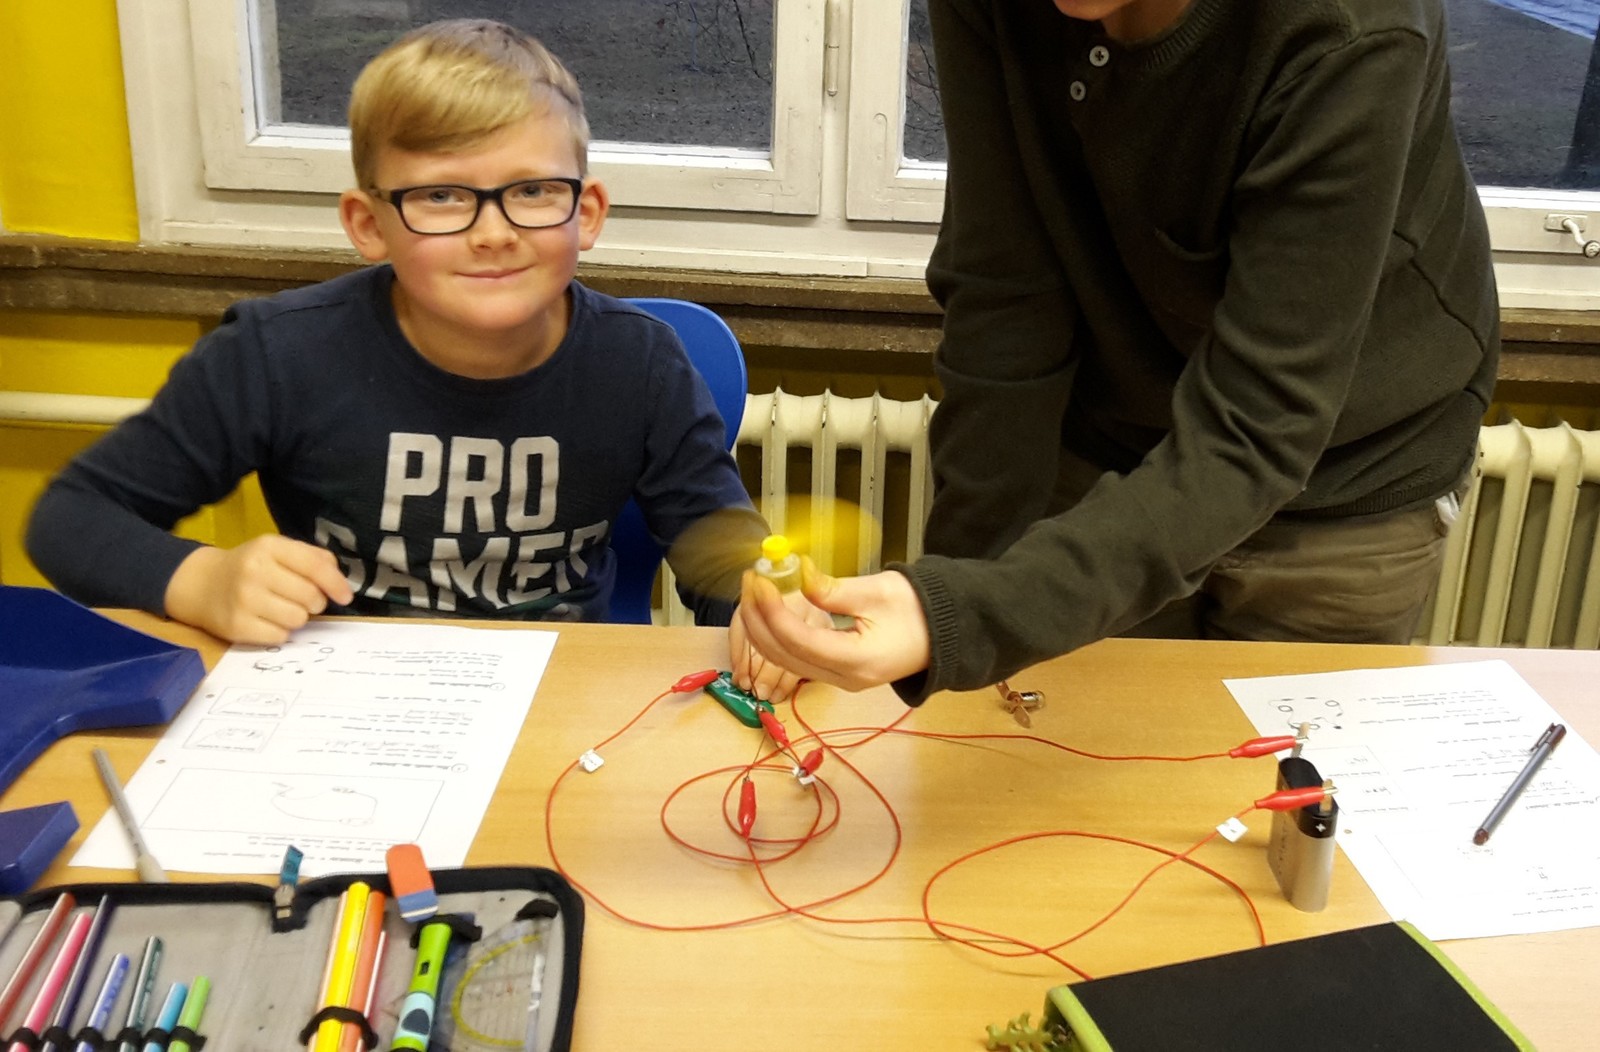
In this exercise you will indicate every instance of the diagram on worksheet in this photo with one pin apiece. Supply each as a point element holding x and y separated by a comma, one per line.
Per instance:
<point>391,810</point>
<point>1315,712</point>
<point>252,704</point>
<point>347,739</point>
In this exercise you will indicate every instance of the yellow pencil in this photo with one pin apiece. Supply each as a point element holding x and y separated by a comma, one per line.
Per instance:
<point>347,945</point>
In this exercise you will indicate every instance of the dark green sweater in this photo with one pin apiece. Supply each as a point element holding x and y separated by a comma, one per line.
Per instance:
<point>1242,266</point>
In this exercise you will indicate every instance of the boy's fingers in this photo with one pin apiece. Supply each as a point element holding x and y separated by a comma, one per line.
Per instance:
<point>818,587</point>
<point>258,632</point>
<point>319,567</point>
<point>277,613</point>
<point>786,686</point>
<point>781,638</point>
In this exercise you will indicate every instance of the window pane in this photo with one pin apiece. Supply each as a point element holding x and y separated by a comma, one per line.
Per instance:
<point>667,72</point>
<point>1519,69</point>
<point>924,132</point>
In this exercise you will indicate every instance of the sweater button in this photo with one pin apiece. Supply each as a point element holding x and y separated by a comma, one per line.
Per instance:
<point>1077,91</point>
<point>1099,55</point>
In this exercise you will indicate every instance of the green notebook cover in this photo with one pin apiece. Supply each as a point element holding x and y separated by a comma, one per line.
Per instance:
<point>1380,987</point>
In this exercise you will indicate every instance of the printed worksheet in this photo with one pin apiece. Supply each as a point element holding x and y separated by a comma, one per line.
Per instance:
<point>1419,757</point>
<point>345,740</point>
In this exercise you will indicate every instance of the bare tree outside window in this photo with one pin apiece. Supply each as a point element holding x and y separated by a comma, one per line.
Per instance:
<point>699,73</point>
<point>1526,91</point>
<point>658,72</point>
<point>924,132</point>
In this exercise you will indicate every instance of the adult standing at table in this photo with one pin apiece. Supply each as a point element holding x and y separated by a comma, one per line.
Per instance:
<point>1220,329</point>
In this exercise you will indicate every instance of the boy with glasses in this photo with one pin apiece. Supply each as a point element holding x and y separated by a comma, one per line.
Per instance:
<point>451,431</point>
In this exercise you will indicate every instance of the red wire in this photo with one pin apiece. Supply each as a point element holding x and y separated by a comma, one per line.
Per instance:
<point>1172,856</point>
<point>828,815</point>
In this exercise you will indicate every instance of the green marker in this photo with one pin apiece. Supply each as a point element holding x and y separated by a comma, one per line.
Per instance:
<point>416,1012</point>
<point>194,1007</point>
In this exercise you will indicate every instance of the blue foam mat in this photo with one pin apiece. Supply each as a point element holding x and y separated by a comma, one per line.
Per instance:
<point>65,668</point>
<point>30,839</point>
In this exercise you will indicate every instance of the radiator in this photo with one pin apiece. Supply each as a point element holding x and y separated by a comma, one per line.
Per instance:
<point>1520,566</point>
<point>847,478</point>
<point>852,475</point>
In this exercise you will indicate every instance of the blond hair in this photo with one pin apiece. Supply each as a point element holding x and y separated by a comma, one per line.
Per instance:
<point>450,84</point>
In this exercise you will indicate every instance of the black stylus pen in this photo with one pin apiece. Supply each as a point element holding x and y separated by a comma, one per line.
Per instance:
<point>1541,749</point>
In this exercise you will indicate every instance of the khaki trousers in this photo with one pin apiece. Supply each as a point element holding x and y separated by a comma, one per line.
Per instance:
<point>1360,579</point>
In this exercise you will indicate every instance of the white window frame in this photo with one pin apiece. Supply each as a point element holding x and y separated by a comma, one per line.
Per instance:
<point>882,183</point>
<point>1535,266</point>
<point>207,173</point>
<point>835,197</point>
<point>242,152</point>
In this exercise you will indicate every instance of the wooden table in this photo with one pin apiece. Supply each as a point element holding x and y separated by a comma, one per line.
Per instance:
<point>797,983</point>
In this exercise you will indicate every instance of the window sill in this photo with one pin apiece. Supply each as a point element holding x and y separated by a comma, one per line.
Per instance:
<point>796,322</point>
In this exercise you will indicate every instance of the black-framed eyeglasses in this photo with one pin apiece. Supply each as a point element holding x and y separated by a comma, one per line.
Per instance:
<point>531,204</point>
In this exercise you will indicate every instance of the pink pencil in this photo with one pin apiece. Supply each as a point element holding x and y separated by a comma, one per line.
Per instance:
<point>53,923</point>
<point>55,978</point>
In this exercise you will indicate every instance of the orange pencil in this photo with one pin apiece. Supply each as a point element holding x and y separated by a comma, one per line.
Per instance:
<point>369,956</point>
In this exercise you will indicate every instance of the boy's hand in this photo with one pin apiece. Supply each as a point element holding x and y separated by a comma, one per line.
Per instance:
<point>258,592</point>
<point>751,671</point>
<point>888,641</point>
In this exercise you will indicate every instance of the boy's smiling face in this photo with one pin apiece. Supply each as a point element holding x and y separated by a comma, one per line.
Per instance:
<point>491,300</point>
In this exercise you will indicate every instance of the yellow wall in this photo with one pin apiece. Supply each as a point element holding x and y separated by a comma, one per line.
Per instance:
<point>66,169</point>
<point>65,164</point>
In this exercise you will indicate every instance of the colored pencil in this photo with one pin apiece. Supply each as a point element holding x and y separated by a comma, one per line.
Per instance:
<point>54,921</point>
<point>55,978</point>
<point>78,980</point>
<point>369,958</point>
<point>352,913</point>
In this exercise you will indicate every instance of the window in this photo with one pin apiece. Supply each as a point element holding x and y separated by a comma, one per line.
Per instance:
<point>683,92</point>
<point>1527,111</point>
<point>779,136</point>
<point>709,121</point>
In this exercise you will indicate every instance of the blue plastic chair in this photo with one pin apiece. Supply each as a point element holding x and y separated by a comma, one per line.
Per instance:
<point>715,352</point>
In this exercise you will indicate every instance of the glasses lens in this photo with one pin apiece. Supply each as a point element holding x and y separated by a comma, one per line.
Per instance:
<point>539,202</point>
<point>438,209</point>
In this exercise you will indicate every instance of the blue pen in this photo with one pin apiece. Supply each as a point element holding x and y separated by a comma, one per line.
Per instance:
<point>100,1014</point>
<point>72,993</point>
<point>168,1018</point>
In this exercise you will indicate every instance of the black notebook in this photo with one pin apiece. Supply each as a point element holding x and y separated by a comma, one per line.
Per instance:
<point>1381,987</point>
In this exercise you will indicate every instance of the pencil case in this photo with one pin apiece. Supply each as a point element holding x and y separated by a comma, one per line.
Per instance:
<point>509,979</point>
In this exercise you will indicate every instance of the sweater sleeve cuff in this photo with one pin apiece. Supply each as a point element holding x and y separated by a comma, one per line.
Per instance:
<point>938,608</point>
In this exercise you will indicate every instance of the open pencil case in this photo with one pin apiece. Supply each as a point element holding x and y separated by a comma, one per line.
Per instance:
<point>509,979</point>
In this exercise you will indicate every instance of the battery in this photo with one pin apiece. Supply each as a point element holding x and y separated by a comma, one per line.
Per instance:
<point>1300,849</point>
